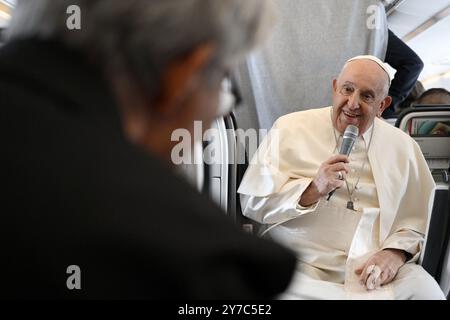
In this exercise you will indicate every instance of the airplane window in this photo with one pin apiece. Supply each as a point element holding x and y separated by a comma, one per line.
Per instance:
<point>6,7</point>
<point>424,28</point>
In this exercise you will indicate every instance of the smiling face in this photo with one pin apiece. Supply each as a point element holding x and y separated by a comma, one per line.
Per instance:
<point>359,95</point>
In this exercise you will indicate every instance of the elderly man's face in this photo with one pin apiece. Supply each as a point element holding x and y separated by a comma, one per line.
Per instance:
<point>359,95</point>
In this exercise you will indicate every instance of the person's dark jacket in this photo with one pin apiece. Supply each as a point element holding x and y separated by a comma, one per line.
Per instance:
<point>76,192</point>
<point>408,65</point>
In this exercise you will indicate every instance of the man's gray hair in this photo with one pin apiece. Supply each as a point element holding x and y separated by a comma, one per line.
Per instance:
<point>145,35</point>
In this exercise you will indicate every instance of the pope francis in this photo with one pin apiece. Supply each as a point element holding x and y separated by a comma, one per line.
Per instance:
<point>364,240</point>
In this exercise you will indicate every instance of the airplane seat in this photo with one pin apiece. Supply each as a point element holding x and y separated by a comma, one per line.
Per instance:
<point>242,162</point>
<point>391,121</point>
<point>226,160</point>
<point>224,174</point>
<point>217,152</point>
<point>429,125</point>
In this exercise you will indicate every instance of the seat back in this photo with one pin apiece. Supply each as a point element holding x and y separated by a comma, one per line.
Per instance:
<point>223,179</point>
<point>429,125</point>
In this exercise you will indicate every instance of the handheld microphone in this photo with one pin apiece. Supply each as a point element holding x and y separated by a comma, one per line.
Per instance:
<point>350,135</point>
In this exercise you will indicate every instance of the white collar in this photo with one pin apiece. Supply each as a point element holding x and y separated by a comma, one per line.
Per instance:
<point>366,135</point>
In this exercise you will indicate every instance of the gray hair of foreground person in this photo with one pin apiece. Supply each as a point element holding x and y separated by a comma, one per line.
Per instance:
<point>143,36</point>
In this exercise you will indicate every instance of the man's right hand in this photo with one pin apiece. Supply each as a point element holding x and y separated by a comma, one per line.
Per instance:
<point>326,180</point>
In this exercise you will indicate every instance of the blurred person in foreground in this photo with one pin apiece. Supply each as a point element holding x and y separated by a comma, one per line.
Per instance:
<point>93,209</point>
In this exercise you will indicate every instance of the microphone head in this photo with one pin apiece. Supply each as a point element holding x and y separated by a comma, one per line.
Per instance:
<point>351,132</point>
<point>350,136</point>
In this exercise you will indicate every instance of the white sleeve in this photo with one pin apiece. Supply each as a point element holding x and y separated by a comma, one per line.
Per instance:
<point>280,206</point>
<point>407,240</point>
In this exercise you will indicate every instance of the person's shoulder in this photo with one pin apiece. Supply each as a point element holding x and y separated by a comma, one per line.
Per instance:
<point>399,140</point>
<point>393,131</point>
<point>302,118</point>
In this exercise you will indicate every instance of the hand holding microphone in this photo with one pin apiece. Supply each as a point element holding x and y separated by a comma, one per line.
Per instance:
<point>326,180</point>
<point>350,136</point>
<point>331,173</point>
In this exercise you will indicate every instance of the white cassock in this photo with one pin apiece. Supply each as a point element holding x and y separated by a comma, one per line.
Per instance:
<point>392,202</point>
